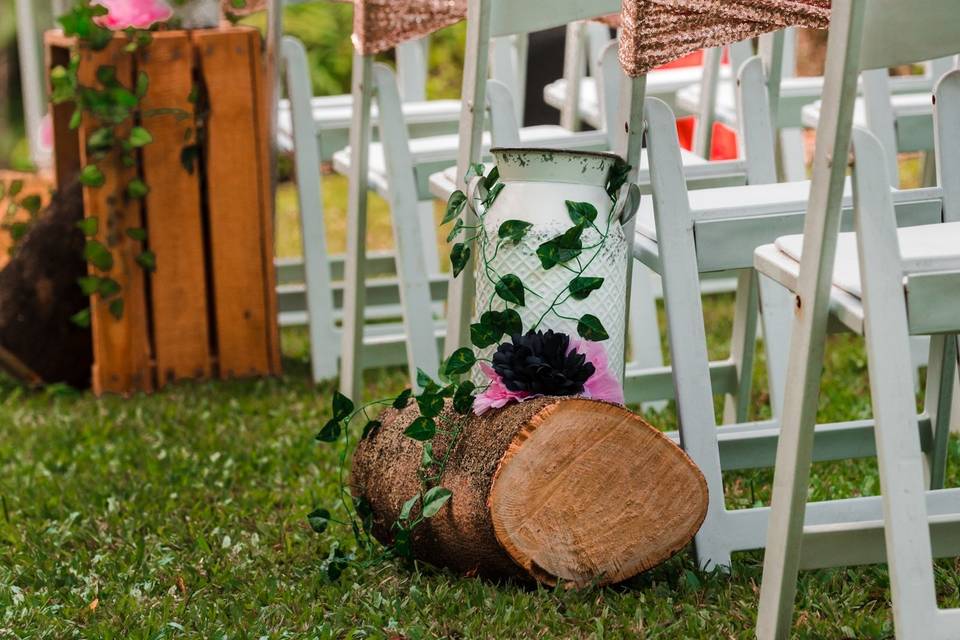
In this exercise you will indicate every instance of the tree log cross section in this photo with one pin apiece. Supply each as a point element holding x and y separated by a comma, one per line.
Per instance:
<point>564,490</point>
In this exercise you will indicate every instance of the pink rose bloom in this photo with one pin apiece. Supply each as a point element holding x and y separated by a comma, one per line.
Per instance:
<point>139,14</point>
<point>602,385</point>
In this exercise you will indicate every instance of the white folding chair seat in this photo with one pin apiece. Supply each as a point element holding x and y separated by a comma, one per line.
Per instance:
<point>332,114</point>
<point>912,114</point>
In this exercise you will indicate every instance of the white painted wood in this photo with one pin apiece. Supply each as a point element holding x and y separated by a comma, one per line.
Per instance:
<point>743,347</point>
<point>900,461</point>
<point>574,66</point>
<point>703,133</point>
<point>323,359</point>
<point>508,66</point>
<point>351,368</point>
<point>880,118</point>
<point>509,17</point>
<point>408,231</point>
<point>805,363</point>
<point>893,26</point>
<point>31,78</point>
<point>412,69</point>
<point>504,128</point>
<point>609,79</point>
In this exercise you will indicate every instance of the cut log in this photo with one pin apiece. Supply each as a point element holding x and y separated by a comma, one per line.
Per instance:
<point>39,294</point>
<point>553,489</point>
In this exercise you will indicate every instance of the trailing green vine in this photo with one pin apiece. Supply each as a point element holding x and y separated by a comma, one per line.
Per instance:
<point>454,388</point>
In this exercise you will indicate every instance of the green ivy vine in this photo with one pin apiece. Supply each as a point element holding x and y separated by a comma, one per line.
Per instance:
<point>454,389</point>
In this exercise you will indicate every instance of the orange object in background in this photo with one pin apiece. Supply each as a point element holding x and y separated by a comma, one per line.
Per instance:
<point>724,144</point>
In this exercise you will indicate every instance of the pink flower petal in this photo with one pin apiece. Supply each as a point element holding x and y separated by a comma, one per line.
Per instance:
<point>140,14</point>
<point>603,384</point>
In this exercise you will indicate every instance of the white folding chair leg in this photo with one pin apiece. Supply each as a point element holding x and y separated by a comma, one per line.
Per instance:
<point>938,402</point>
<point>407,230</point>
<point>644,336</point>
<point>792,162</point>
<point>428,235</point>
<point>776,310</point>
<point>900,460</point>
<point>574,67</point>
<point>703,136</point>
<point>351,368</point>
<point>743,347</point>
<point>688,341</point>
<point>323,356</point>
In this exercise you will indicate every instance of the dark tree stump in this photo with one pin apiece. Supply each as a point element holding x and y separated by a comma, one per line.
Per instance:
<point>39,294</point>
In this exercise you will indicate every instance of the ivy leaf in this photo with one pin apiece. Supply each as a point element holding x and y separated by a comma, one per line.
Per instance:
<point>407,509</point>
<point>491,196</point>
<point>81,318</point>
<point>89,226</point>
<point>330,431</point>
<point>619,173</point>
<point>319,519</point>
<point>582,286</point>
<point>97,254</point>
<point>32,204</point>
<point>510,322</point>
<point>100,140</point>
<point>590,328</point>
<point>147,260</point>
<point>514,230</point>
<point>458,199</point>
<point>492,178</point>
<point>116,308</point>
<point>582,213</point>
<point>483,335</point>
<point>457,228</point>
<point>91,176</point>
<point>401,400</point>
<point>434,499</point>
<point>510,288</point>
<point>459,257</point>
<point>89,284</point>
<point>561,249</point>
<point>136,233</point>
<point>107,75</point>
<point>137,188</point>
<point>18,230</point>
<point>75,119</point>
<point>426,456</point>
<point>143,83</point>
<point>474,170</point>
<point>423,428</point>
<point>370,427</point>
<point>460,361</point>
<point>342,406</point>
<point>463,397</point>
<point>430,404</point>
<point>107,287</point>
<point>424,381</point>
<point>139,137</point>
<point>15,187</point>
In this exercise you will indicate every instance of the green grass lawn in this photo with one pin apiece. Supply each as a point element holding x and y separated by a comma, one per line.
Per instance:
<point>182,515</point>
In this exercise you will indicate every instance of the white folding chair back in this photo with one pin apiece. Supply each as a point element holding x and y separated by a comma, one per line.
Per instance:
<point>864,35</point>
<point>32,19</point>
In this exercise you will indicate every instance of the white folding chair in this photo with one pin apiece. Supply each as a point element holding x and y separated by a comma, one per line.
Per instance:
<point>719,229</point>
<point>32,19</point>
<point>906,283</point>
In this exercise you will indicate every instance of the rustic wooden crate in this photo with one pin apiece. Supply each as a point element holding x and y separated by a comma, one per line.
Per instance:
<point>210,308</point>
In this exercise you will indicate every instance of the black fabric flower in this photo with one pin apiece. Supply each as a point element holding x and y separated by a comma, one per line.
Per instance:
<point>538,363</point>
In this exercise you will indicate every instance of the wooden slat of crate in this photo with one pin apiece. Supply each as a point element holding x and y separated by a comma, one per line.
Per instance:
<point>264,143</point>
<point>33,184</point>
<point>178,287</point>
<point>121,347</point>
<point>233,190</point>
<point>67,156</point>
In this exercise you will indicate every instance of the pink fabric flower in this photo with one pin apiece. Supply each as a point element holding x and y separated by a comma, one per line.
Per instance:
<point>602,385</point>
<point>139,14</point>
<point>496,395</point>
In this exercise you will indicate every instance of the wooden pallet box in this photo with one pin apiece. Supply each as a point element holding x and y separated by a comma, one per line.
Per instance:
<point>209,308</point>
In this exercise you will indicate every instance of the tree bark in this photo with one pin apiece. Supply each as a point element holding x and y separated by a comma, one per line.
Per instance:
<point>39,294</point>
<point>553,490</point>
